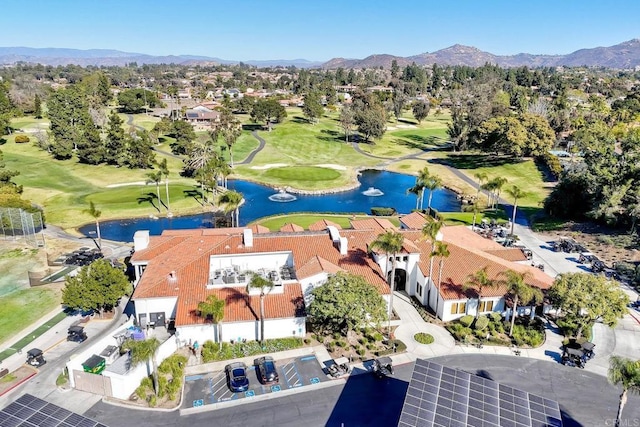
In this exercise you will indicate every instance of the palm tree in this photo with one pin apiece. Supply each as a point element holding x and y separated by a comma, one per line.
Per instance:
<point>95,213</point>
<point>516,193</point>
<point>442,251</point>
<point>517,286</point>
<point>624,372</point>
<point>213,308</point>
<point>433,183</point>
<point>145,351</point>
<point>155,178</point>
<point>482,178</point>
<point>430,230</point>
<point>164,170</point>
<point>390,243</point>
<point>265,286</point>
<point>478,281</point>
<point>499,183</point>
<point>417,191</point>
<point>475,209</point>
<point>423,177</point>
<point>231,200</point>
<point>231,131</point>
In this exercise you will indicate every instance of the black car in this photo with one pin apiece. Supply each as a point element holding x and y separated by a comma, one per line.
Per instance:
<point>76,334</point>
<point>237,379</point>
<point>266,370</point>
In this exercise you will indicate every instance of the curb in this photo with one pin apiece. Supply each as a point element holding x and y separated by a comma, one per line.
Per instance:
<point>24,380</point>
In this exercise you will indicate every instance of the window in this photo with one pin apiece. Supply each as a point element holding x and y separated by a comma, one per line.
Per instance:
<point>485,306</point>
<point>459,308</point>
<point>419,289</point>
<point>405,258</point>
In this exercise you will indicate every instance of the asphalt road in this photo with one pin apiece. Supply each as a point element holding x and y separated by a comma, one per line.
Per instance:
<point>585,399</point>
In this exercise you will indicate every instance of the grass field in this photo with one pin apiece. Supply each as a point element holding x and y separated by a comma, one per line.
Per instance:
<point>274,223</point>
<point>21,308</point>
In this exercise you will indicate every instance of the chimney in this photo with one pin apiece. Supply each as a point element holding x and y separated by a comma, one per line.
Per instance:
<point>343,245</point>
<point>140,240</point>
<point>334,233</point>
<point>172,278</point>
<point>247,237</point>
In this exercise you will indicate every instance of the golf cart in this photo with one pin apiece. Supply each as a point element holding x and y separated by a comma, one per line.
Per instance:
<point>573,357</point>
<point>76,334</point>
<point>35,357</point>
<point>587,350</point>
<point>586,258</point>
<point>382,367</point>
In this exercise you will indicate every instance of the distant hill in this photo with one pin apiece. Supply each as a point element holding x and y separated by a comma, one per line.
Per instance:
<point>109,57</point>
<point>623,55</point>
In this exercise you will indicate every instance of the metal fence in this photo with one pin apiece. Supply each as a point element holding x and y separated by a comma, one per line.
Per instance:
<point>18,224</point>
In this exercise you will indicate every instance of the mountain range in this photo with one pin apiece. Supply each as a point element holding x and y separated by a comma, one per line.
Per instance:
<point>622,56</point>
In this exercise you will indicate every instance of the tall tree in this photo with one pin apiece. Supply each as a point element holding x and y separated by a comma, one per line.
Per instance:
<point>184,136</point>
<point>421,182</point>
<point>478,282</point>
<point>584,298</point>
<point>145,351</point>
<point>371,120</point>
<point>482,179</point>
<point>268,111</point>
<point>37,105</point>
<point>347,121</point>
<point>441,251</point>
<point>155,178</point>
<point>625,373</point>
<point>95,214</point>
<point>420,110</point>
<point>231,129</point>
<point>231,201</point>
<point>265,286</point>
<point>115,143</point>
<point>516,193</point>
<point>312,108</point>
<point>432,184</point>
<point>140,153</point>
<point>516,285</point>
<point>213,309</point>
<point>390,243</point>
<point>90,148</point>
<point>97,286</point>
<point>431,230</point>
<point>163,168</point>
<point>344,303</point>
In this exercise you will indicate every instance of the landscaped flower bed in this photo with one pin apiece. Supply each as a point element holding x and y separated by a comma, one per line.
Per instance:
<point>493,330</point>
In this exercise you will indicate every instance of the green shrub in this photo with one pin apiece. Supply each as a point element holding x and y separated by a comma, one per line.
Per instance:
<point>377,337</point>
<point>495,317</point>
<point>361,351</point>
<point>481,323</point>
<point>380,211</point>
<point>307,341</point>
<point>423,338</point>
<point>466,321</point>
<point>153,400</point>
<point>527,336</point>
<point>20,139</point>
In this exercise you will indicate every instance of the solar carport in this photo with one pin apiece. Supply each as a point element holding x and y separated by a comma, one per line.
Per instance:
<point>442,396</point>
<point>30,411</point>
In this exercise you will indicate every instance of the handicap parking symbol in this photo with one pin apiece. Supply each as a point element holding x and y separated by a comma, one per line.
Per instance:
<point>314,380</point>
<point>199,402</point>
<point>249,393</point>
<point>275,388</point>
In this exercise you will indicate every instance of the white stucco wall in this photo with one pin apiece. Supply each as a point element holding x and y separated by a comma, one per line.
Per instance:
<point>250,331</point>
<point>156,305</point>
<point>310,283</point>
<point>472,304</point>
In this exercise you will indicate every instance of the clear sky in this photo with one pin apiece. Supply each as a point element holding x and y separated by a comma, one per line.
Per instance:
<point>318,29</point>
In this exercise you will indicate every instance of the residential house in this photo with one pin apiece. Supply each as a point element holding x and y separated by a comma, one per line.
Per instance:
<point>202,115</point>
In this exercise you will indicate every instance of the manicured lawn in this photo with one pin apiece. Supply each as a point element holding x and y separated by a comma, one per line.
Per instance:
<point>304,220</point>
<point>522,173</point>
<point>21,308</point>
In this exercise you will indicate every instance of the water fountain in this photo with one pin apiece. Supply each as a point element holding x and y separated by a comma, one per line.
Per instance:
<point>282,196</point>
<point>372,191</point>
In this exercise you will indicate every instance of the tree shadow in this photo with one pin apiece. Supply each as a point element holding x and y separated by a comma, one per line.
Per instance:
<point>408,121</point>
<point>329,135</point>
<point>149,198</point>
<point>252,127</point>
<point>300,120</point>
<point>475,161</point>
<point>3,141</point>
<point>195,194</point>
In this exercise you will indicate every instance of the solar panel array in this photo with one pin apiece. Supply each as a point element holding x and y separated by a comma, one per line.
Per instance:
<point>442,396</point>
<point>30,411</point>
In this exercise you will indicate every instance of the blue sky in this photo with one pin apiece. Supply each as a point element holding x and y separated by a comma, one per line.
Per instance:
<point>318,29</point>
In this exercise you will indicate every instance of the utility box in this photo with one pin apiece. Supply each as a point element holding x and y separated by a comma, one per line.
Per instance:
<point>94,365</point>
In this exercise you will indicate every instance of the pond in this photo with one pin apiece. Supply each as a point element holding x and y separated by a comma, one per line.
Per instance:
<point>259,202</point>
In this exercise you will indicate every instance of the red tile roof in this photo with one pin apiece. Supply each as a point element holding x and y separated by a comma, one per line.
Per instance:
<point>377,224</point>
<point>291,228</point>
<point>323,224</point>
<point>187,253</point>
<point>414,220</point>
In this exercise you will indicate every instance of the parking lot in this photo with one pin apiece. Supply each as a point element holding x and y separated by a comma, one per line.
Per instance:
<point>208,388</point>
